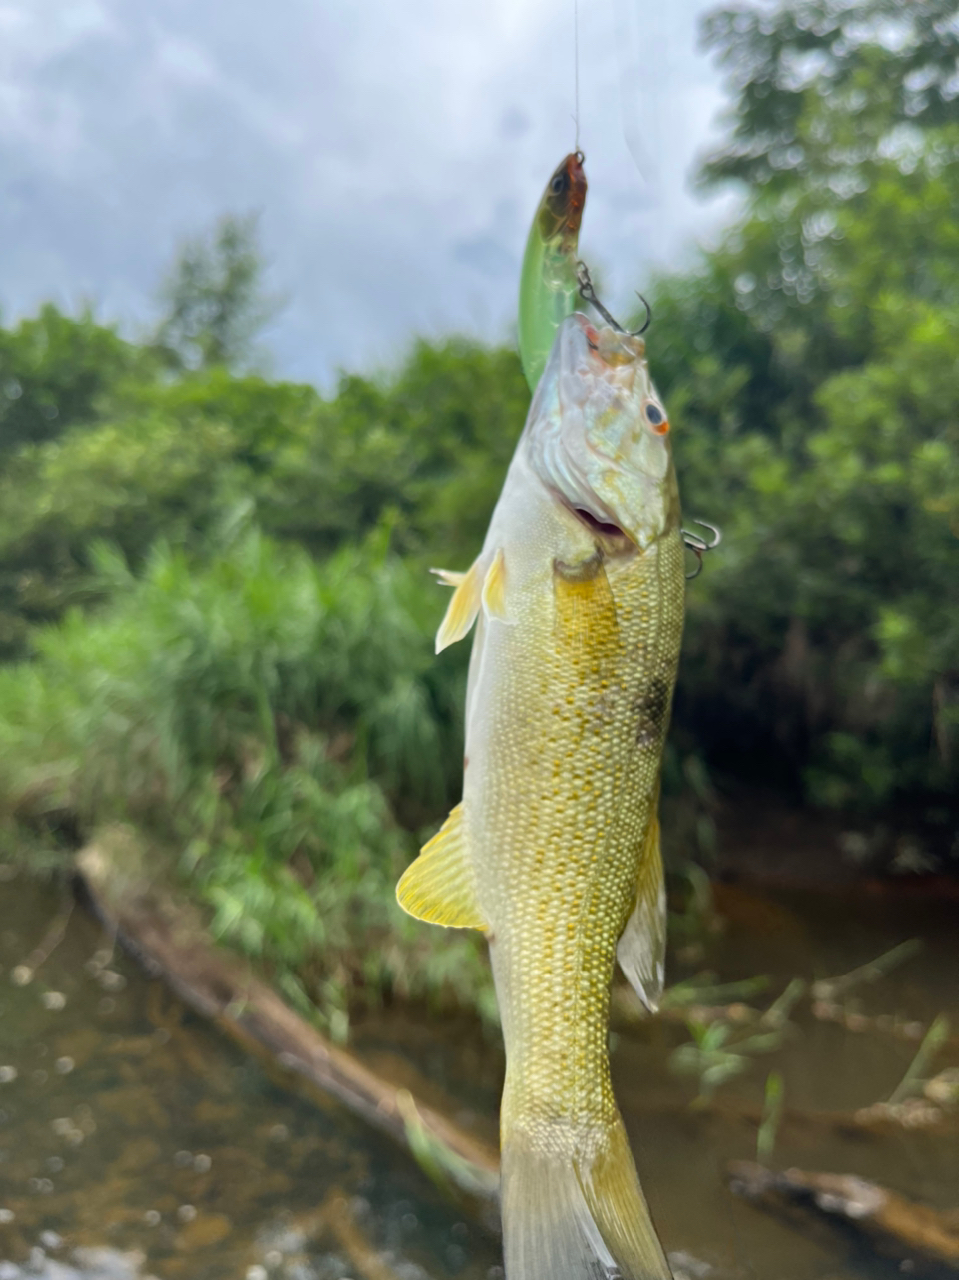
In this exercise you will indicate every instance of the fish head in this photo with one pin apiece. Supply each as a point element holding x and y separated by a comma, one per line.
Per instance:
<point>561,208</point>
<point>598,435</point>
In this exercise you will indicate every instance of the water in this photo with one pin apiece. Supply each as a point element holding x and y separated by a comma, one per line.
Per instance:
<point>128,1124</point>
<point>132,1132</point>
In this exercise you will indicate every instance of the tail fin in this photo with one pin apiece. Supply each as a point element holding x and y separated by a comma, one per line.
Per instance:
<point>579,1216</point>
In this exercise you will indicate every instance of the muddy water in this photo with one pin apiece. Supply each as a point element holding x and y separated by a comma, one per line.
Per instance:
<point>132,1130</point>
<point>829,1071</point>
<point>135,1141</point>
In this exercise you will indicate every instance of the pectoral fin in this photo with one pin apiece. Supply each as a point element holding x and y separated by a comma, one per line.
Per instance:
<point>642,948</point>
<point>494,588</point>
<point>463,607</point>
<point>483,586</point>
<point>440,887</point>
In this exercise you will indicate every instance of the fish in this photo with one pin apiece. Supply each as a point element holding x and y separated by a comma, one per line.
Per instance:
<point>553,852</point>
<point>548,285</point>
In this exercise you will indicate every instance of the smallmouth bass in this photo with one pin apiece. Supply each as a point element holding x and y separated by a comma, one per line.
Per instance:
<point>554,850</point>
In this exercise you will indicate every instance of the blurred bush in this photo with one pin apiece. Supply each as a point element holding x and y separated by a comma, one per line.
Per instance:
<point>259,723</point>
<point>429,445</point>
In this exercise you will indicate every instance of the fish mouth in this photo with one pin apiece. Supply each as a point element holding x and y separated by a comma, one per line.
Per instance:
<point>604,529</point>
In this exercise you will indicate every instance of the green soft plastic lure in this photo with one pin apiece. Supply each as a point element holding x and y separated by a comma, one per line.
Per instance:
<point>548,285</point>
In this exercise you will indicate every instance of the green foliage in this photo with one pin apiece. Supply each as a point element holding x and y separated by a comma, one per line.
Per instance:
<point>256,722</point>
<point>166,458</point>
<point>715,1054</point>
<point>53,372</point>
<point>820,86</point>
<point>826,625</point>
<point>914,1080</point>
<point>170,459</point>
<point>724,1047</point>
<point>807,363</point>
<point>773,1098</point>
<point>126,480</point>
<point>430,445</point>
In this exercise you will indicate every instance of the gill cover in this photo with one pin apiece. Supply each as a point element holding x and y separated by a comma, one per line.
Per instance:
<point>597,433</point>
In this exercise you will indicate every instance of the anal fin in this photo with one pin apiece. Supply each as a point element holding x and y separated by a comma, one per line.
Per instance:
<point>439,886</point>
<point>641,951</point>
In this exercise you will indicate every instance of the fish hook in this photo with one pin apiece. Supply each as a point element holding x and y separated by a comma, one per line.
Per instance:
<point>588,293</point>
<point>698,545</point>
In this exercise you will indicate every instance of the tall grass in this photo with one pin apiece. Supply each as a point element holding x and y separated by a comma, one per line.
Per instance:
<point>275,729</point>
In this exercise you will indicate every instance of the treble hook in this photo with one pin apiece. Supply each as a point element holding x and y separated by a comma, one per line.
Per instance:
<point>699,546</point>
<point>588,293</point>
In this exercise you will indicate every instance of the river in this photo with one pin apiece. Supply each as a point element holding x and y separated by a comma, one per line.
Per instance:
<point>135,1141</point>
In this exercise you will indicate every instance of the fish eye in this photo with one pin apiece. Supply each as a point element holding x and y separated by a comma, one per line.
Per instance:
<point>559,183</point>
<point>655,417</point>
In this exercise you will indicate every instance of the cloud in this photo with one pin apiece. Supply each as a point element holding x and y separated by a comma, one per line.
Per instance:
<point>396,153</point>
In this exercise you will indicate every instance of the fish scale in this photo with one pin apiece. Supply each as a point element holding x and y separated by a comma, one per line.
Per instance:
<point>582,808</point>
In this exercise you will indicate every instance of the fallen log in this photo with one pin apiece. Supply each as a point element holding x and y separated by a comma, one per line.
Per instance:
<point>888,1222</point>
<point>169,940</point>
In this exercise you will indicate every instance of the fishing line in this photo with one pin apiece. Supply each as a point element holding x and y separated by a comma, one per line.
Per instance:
<point>576,64</point>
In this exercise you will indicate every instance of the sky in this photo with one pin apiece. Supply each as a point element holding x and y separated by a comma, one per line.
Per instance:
<point>395,153</point>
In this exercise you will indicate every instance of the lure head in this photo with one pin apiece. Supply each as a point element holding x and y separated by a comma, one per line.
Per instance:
<point>598,435</point>
<point>560,211</point>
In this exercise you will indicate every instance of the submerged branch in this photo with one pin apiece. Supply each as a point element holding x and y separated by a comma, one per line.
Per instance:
<point>170,941</point>
<point>887,1221</point>
<point>832,988</point>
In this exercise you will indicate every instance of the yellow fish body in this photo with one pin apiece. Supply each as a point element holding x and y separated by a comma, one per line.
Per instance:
<point>554,850</point>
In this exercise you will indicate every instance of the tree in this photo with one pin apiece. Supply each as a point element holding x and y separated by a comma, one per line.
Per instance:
<point>55,371</point>
<point>214,299</point>
<point>430,445</point>
<point>821,87</point>
<point>172,458</point>
<point>808,366</point>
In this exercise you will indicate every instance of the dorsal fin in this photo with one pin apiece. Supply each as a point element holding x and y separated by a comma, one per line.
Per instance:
<point>642,948</point>
<point>439,886</point>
